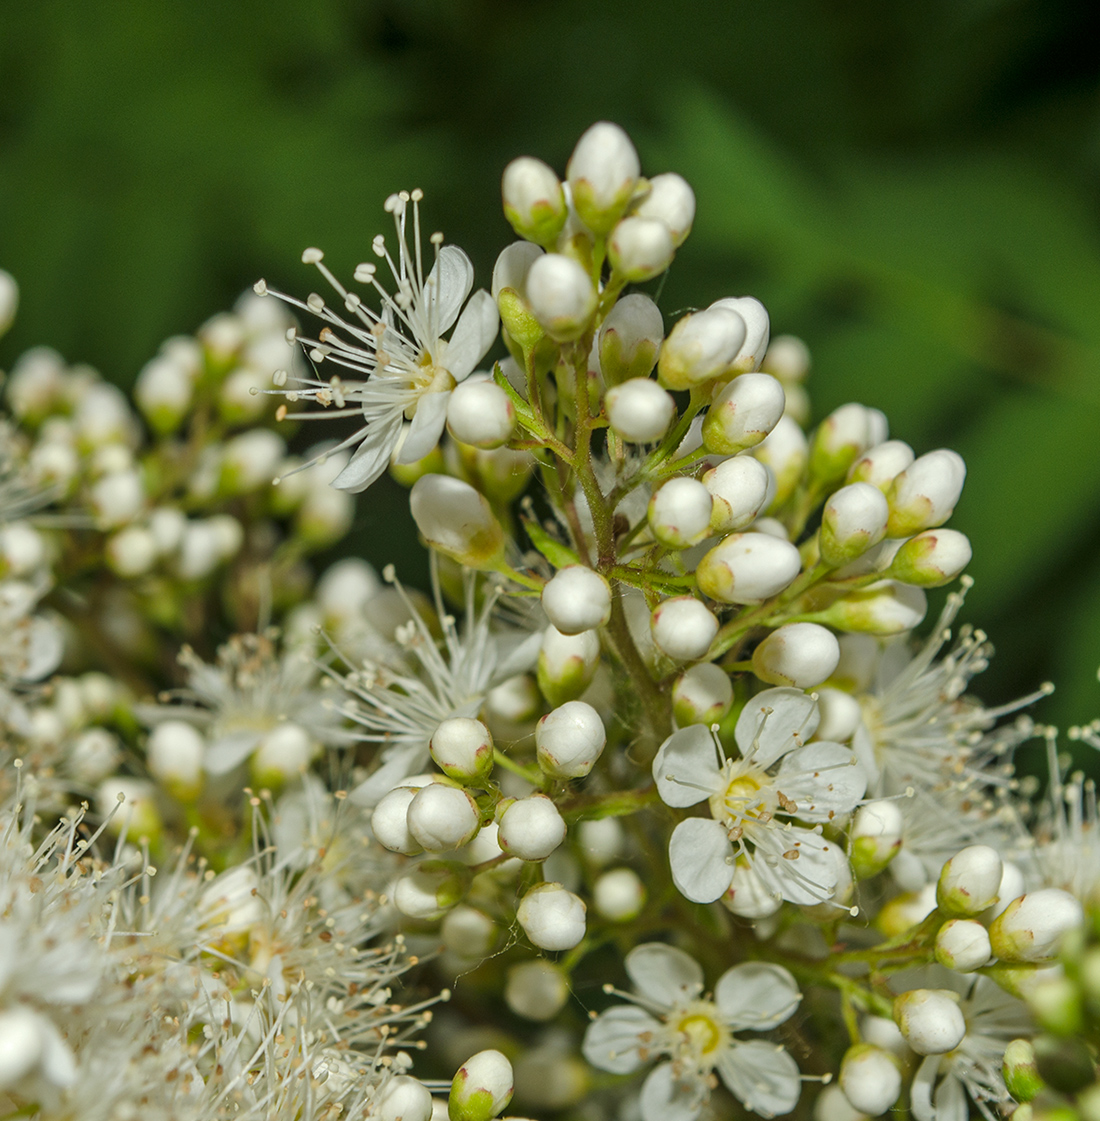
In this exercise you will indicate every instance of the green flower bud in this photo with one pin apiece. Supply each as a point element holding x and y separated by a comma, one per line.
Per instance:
<point>1020,1072</point>
<point>482,1087</point>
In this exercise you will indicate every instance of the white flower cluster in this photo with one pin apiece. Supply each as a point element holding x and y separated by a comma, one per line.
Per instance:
<point>661,716</point>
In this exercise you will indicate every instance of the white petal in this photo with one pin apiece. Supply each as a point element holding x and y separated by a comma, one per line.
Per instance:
<point>447,287</point>
<point>755,996</point>
<point>663,974</point>
<point>398,763</point>
<point>701,858</point>
<point>475,333</point>
<point>823,779</point>
<point>371,458</point>
<point>808,878</point>
<point>426,428</point>
<point>58,1063</point>
<point>226,752</point>
<point>762,1076</point>
<point>43,651</point>
<point>950,1099</point>
<point>687,756</point>
<point>667,1098</point>
<point>612,1040</point>
<point>775,722</point>
<point>920,1093</point>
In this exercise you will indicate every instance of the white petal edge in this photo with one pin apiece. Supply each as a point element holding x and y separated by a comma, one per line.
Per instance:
<point>663,974</point>
<point>426,428</point>
<point>807,879</point>
<point>687,756</point>
<point>613,1039</point>
<point>823,779</point>
<point>756,996</point>
<point>446,289</point>
<point>476,332</point>
<point>371,458</point>
<point>667,1098</point>
<point>792,718</point>
<point>701,859</point>
<point>762,1076</point>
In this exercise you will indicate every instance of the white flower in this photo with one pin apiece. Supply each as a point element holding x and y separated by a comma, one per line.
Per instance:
<point>402,709</point>
<point>750,796</point>
<point>943,1082</point>
<point>696,1033</point>
<point>408,367</point>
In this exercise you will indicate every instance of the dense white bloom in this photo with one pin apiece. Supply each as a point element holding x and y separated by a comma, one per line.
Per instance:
<point>409,368</point>
<point>751,799</point>
<point>696,1033</point>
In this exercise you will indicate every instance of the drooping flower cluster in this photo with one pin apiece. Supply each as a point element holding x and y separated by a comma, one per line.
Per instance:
<point>662,707</point>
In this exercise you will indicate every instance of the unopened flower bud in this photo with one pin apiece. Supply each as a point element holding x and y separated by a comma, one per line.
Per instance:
<point>932,558</point>
<point>174,755</point>
<point>619,895</point>
<point>683,628</point>
<point>748,568</point>
<point>468,932</point>
<point>671,200</point>
<point>9,300</point>
<point>551,917</point>
<point>969,881</point>
<point>442,817</point>
<point>883,608</point>
<point>567,663</point>
<point>1021,1074</point>
<point>93,755</point>
<point>743,413</point>
<point>561,295</point>
<point>842,437</point>
<point>740,489</point>
<point>531,828</point>
<point>509,289</point>
<point>875,837</point>
<point>882,464</point>
<point>131,552</point>
<point>137,815</point>
<point>457,520</point>
<point>463,748</point>
<point>163,392</point>
<point>639,410</point>
<point>282,755</point>
<point>629,339</point>
<point>534,202</point>
<point>853,520</point>
<point>801,655</point>
<point>870,1078</point>
<point>480,413</point>
<point>577,599</point>
<point>251,460</point>
<point>602,173</point>
<point>569,739</point>
<point>962,945</point>
<point>600,840</point>
<point>757,329</point>
<point>482,1087</point>
<point>117,498</point>
<point>702,695</point>
<point>679,513</point>
<point>1032,927</point>
<point>785,451</point>
<point>788,358</point>
<point>403,1098</point>
<point>930,1020</point>
<point>390,822</point>
<point>700,347</point>
<point>640,248</point>
<point>430,889</point>
<point>840,714</point>
<point>924,495</point>
<point>536,990</point>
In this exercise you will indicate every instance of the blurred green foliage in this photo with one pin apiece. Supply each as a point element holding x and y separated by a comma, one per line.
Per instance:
<point>911,188</point>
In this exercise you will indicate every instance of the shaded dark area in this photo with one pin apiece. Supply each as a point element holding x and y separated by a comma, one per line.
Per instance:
<point>911,188</point>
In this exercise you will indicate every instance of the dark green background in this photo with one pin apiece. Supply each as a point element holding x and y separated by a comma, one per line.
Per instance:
<point>913,188</point>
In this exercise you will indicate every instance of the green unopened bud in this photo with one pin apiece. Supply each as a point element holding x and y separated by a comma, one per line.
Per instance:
<point>1032,927</point>
<point>1064,1064</point>
<point>457,521</point>
<point>431,889</point>
<point>534,202</point>
<point>482,1087</point>
<point>969,881</point>
<point>567,663</point>
<point>924,495</point>
<point>630,338</point>
<point>1020,1072</point>
<point>932,558</point>
<point>884,608</point>
<point>518,319</point>
<point>784,451</point>
<point>702,695</point>
<point>841,438</point>
<point>1057,1005</point>
<point>875,837</point>
<point>962,945</point>
<point>854,519</point>
<point>602,173</point>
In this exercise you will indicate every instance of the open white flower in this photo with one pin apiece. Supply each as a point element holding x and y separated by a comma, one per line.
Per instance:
<point>754,798</point>
<point>410,369</point>
<point>671,1016</point>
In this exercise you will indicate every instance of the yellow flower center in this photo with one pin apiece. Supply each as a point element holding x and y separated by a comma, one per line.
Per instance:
<point>699,1034</point>
<point>747,795</point>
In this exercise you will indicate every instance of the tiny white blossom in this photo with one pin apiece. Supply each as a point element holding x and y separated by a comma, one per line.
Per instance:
<point>670,1016</point>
